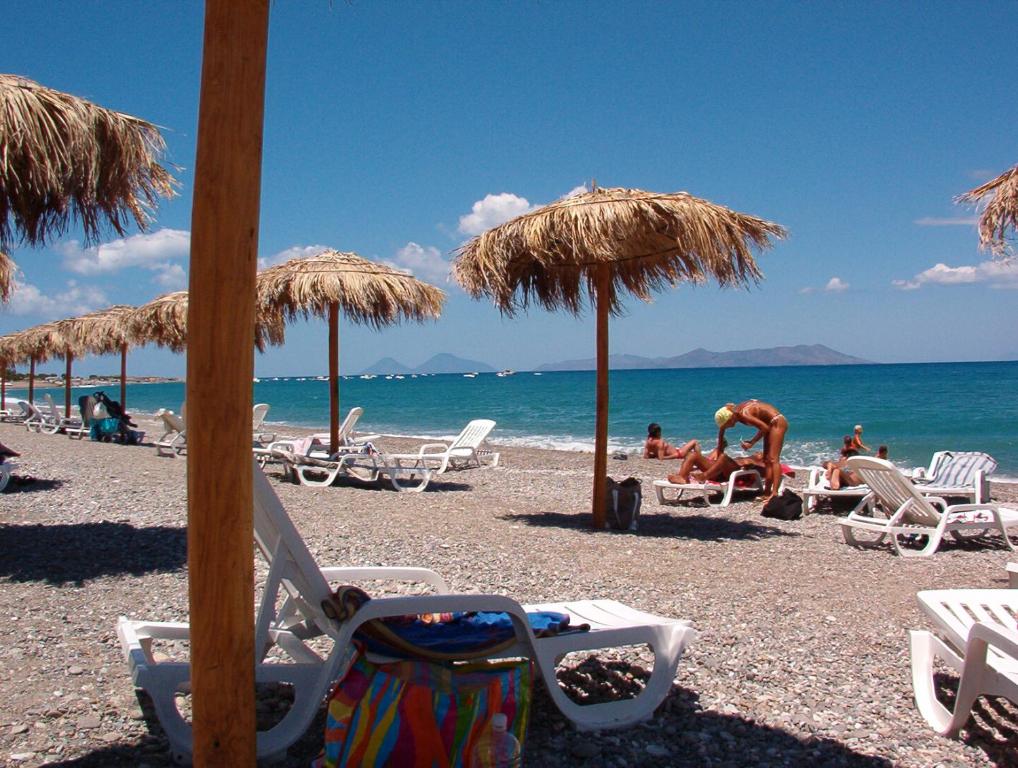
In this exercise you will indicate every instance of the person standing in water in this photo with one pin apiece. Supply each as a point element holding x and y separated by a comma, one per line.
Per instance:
<point>857,442</point>
<point>769,424</point>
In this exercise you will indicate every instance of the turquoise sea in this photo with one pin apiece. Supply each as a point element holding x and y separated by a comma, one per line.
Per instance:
<point>913,408</point>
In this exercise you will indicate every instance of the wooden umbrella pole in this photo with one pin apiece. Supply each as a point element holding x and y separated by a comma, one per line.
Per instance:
<point>601,424</point>
<point>31,382</point>
<point>123,377</point>
<point>68,359</point>
<point>3,385</point>
<point>333,377</point>
<point>220,366</point>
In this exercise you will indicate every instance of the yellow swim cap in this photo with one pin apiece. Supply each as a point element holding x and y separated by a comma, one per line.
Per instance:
<point>722,416</point>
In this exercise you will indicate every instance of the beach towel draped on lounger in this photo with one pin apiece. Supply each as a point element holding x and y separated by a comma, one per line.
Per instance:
<point>461,635</point>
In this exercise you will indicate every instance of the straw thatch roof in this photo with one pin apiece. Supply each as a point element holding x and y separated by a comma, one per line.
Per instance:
<point>9,349</point>
<point>100,333</point>
<point>367,292</point>
<point>1000,213</point>
<point>43,342</point>
<point>163,321</point>
<point>64,158</point>
<point>648,240</point>
<point>7,271</point>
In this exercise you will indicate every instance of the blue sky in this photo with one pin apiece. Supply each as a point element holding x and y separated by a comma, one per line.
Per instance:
<point>397,130</point>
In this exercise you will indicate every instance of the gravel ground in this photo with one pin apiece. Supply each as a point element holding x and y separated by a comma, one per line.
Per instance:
<point>802,654</point>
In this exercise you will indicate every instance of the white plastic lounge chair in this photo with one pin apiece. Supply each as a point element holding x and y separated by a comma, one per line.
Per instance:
<point>41,419</point>
<point>907,512</point>
<point>63,422</point>
<point>976,636</point>
<point>258,414</point>
<point>464,451</point>
<point>366,466</point>
<point>174,439</point>
<point>818,487</point>
<point>957,473</point>
<point>294,575</point>
<point>742,480</point>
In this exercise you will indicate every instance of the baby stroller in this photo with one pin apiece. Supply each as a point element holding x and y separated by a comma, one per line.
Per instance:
<point>109,420</point>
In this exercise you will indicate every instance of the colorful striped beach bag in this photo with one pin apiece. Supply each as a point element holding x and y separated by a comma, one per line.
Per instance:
<point>415,714</point>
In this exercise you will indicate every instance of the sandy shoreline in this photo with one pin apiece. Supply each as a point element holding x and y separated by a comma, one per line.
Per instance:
<point>802,654</point>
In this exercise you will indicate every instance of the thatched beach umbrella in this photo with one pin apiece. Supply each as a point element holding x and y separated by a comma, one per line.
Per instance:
<point>65,158</point>
<point>602,242</point>
<point>7,270</point>
<point>41,342</point>
<point>163,321</point>
<point>1001,212</point>
<point>102,333</point>
<point>9,354</point>
<point>367,292</point>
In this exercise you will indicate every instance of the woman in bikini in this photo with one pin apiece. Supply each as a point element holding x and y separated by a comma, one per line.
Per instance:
<point>657,448</point>
<point>769,424</point>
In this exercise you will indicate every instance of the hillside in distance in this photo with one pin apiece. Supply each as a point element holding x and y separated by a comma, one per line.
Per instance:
<point>801,354</point>
<point>440,363</point>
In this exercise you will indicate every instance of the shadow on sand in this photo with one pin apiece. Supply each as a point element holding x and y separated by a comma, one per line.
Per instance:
<point>681,733</point>
<point>699,527</point>
<point>22,484</point>
<point>74,553</point>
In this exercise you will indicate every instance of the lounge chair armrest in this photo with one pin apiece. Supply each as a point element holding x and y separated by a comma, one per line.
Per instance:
<point>447,603</point>
<point>938,501</point>
<point>432,447</point>
<point>998,636</point>
<point>966,507</point>
<point>424,575</point>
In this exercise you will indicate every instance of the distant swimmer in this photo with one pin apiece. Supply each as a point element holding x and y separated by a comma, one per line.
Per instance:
<point>657,448</point>
<point>770,425</point>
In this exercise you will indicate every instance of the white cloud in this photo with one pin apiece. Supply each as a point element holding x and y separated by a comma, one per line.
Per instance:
<point>575,191</point>
<point>836,285</point>
<point>294,252</point>
<point>153,250</point>
<point>947,221</point>
<point>27,299</point>
<point>807,290</point>
<point>999,274</point>
<point>423,261</point>
<point>492,211</point>
<point>172,277</point>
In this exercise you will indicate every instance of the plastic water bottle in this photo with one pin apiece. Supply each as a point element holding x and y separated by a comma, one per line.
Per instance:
<point>498,748</point>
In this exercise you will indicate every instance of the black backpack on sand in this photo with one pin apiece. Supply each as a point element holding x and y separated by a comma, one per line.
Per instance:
<point>624,500</point>
<point>785,506</point>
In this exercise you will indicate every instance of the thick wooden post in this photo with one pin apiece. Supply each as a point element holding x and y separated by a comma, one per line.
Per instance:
<point>3,385</point>
<point>123,376</point>
<point>333,377</point>
<point>68,359</point>
<point>220,366</point>
<point>601,423</point>
<point>31,382</point>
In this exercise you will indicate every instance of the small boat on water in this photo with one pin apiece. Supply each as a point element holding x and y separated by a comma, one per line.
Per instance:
<point>400,377</point>
<point>537,373</point>
<point>469,375</point>
<point>256,380</point>
<point>506,372</point>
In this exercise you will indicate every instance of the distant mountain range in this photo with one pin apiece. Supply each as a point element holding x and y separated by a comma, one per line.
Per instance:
<point>440,363</point>
<point>801,354</point>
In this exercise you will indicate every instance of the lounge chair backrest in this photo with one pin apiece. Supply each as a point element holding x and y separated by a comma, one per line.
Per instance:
<point>473,434</point>
<point>346,428</point>
<point>86,404</point>
<point>291,565</point>
<point>894,490</point>
<point>959,468</point>
<point>258,414</point>
<point>27,409</point>
<point>51,405</point>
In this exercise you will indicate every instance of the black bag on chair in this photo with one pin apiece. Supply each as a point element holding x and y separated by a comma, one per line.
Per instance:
<point>785,506</point>
<point>623,507</point>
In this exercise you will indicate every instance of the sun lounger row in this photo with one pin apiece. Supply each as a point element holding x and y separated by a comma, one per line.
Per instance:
<point>295,627</point>
<point>404,471</point>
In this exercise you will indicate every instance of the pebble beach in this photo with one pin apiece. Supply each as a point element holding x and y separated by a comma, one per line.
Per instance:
<point>802,654</point>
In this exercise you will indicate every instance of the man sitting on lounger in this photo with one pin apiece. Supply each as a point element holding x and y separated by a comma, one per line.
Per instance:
<point>716,466</point>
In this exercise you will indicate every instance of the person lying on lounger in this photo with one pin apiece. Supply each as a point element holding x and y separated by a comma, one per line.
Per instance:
<point>657,448</point>
<point>716,466</point>
<point>836,473</point>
